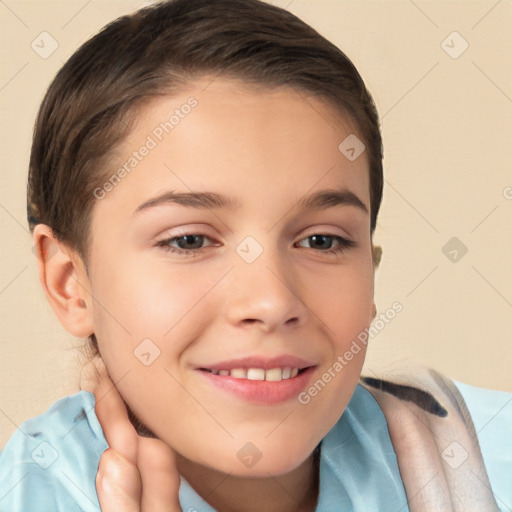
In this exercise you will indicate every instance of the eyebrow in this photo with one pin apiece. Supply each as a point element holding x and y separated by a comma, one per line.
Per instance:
<point>320,200</point>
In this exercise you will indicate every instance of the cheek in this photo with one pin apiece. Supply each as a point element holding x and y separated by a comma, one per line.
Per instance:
<point>169,306</point>
<point>145,297</point>
<point>345,302</point>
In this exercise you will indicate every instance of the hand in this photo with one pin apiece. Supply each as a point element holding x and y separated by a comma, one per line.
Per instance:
<point>135,474</point>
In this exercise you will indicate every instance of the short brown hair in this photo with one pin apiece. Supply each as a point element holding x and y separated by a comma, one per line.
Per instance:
<point>91,103</point>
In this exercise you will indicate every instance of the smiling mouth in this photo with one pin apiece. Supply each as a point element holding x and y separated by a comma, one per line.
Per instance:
<point>270,375</point>
<point>259,381</point>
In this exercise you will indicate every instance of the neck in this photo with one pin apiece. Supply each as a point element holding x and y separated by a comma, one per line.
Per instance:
<point>296,491</point>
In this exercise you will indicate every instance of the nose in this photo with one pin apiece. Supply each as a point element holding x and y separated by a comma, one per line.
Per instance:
<point>265,294</point>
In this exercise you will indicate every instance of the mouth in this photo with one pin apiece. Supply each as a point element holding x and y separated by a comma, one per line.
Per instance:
<point>260,381</point>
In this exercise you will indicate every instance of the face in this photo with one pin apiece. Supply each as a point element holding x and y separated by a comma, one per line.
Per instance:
<point>236,277</point>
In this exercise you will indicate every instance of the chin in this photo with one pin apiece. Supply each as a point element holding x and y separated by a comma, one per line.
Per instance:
<point>260,462</point>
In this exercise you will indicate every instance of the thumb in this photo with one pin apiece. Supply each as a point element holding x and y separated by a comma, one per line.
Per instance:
<point>118,484</point>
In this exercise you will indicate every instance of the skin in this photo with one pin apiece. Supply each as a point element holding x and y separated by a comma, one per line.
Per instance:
<point>267,149</point>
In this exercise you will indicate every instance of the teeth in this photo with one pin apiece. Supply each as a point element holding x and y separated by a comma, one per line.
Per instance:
<point>275,374</point>
<point>239,373</point>
<point>256,374</point>
<point>272,375</point>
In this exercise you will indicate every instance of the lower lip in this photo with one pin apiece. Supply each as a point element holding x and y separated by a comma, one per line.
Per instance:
<point>261,391</point>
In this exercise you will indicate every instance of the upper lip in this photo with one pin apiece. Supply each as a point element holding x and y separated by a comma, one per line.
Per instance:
<point>284,361</point>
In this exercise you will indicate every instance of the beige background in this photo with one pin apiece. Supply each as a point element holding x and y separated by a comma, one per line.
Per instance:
<point>447,127</point>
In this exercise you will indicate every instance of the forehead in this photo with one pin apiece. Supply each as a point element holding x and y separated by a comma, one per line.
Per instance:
<point>227,137</point>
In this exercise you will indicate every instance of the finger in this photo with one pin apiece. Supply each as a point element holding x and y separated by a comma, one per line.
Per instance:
<point>159,475</point>
<point>119,432</point>
<point>118,484</point>
<point>110,410</point>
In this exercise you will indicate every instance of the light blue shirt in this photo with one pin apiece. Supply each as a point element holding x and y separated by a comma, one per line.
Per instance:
<point>50,463</point>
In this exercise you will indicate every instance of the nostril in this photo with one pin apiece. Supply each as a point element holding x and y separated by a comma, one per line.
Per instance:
<point>250,320</point>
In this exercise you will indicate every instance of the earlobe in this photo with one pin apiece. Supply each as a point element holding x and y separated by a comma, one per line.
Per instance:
<point>65,282</point>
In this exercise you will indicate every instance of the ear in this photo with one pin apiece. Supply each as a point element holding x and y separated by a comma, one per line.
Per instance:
<point>376,255</point>
<point>65,282</point>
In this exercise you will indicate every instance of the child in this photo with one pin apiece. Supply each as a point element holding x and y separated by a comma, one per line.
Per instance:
<point>226,374</point>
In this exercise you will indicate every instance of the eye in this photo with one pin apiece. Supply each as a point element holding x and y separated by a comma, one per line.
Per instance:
<point>324,243</point>
<point>189,244</point>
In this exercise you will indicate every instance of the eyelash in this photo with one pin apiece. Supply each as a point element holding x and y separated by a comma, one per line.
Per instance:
<point>343,244</point>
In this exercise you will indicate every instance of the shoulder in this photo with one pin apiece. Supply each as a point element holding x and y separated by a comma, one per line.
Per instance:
<point>50,462</point>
